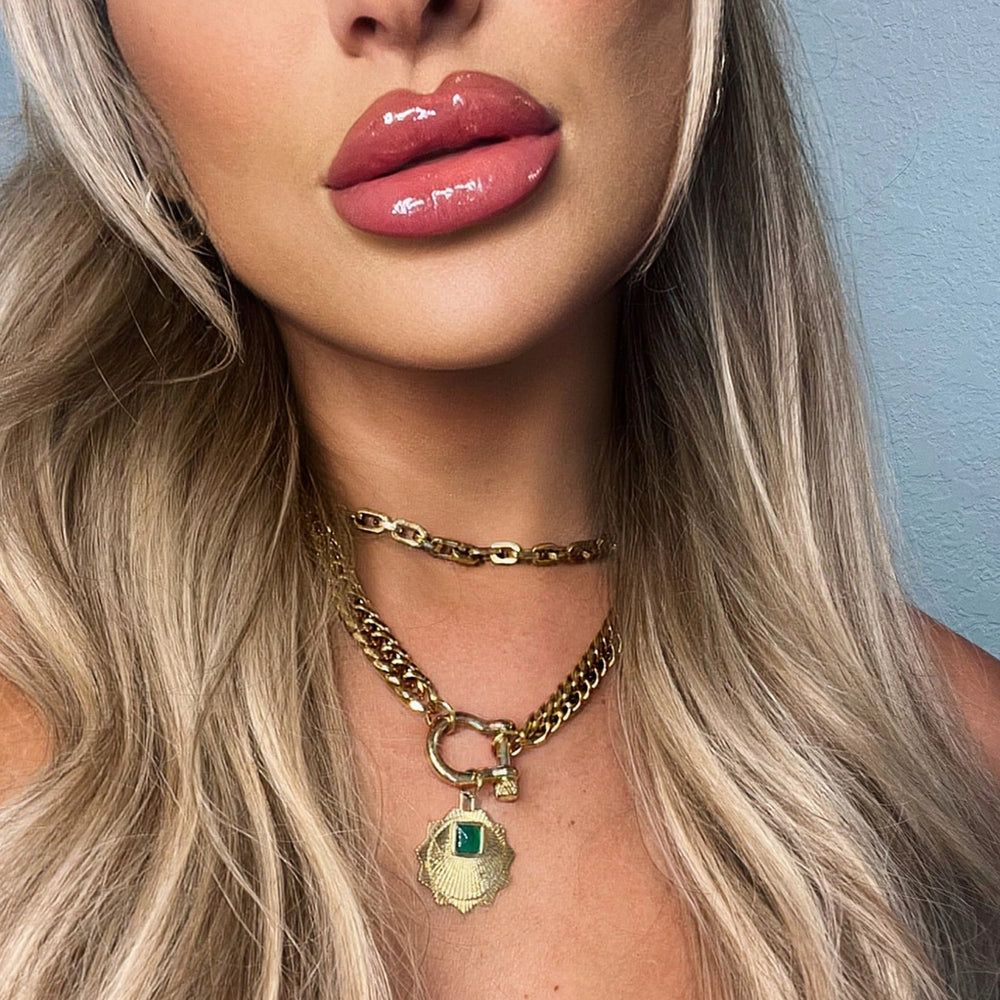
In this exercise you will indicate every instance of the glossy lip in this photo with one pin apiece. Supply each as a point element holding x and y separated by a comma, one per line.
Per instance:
<point>422,164</point>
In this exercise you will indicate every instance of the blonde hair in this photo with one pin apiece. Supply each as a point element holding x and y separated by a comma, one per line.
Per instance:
<point>200,832</point>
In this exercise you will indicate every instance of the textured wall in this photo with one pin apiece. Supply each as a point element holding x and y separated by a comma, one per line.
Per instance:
<point>906,105</point>
<point>907,117</point>
<point>8,106</point>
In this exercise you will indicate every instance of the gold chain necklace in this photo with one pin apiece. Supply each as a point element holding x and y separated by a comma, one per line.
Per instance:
<point>465,860</point>
<point>498,553</point>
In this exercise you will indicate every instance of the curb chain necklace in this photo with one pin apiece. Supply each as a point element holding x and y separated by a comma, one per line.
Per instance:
<point>465,859</point>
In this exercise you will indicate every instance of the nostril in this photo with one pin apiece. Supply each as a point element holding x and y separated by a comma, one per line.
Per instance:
<point>402,23</point>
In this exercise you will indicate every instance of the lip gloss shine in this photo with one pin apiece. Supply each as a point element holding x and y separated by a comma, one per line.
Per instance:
<point>423,165</point>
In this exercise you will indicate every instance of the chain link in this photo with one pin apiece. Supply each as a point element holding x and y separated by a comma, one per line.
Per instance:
<point>416,690</point>
<point>499,553</point>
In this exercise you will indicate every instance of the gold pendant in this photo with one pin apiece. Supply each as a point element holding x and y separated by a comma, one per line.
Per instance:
<point>465,860</point>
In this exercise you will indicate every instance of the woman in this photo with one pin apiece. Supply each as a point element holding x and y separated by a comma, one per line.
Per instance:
<point>506,271</point>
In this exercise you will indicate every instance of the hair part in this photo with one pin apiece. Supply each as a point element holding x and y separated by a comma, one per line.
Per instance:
<point>201,833</point>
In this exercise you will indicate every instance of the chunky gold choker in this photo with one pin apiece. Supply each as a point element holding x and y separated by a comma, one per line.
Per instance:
<point>465,860</point>
<point>416,536</point>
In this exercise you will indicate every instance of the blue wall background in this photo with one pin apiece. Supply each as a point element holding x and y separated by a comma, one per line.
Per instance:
<point>904,100</point>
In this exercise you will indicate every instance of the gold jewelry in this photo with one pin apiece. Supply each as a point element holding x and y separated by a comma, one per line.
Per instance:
<point>499,553</point>
<point>465,860</point>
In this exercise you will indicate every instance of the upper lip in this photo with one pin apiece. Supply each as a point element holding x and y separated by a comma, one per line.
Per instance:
<point>403,126</point>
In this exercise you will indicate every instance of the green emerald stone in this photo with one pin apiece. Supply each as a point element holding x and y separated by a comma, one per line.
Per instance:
<point>468,839</point>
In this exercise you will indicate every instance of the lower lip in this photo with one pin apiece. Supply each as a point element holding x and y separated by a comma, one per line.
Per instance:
<point>450,193</point>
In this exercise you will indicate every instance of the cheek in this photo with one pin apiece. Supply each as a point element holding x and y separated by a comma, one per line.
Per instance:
<point>631,98</point>
<point>642,42</point>
<point>215,72</point>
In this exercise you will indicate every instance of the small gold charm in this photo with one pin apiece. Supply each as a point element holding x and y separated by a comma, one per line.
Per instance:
<point>465,860</point>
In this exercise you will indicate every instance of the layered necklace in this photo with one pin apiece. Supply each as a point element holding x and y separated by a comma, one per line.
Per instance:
<point>465,859</point>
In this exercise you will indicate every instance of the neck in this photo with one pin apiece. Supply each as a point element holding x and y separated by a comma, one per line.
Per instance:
<point>499,453</point>
<point>506,451</point>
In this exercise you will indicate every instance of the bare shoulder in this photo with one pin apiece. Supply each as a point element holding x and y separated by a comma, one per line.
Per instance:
<point>25,746</point>
<point>974,676</point>
<point>24,742</point>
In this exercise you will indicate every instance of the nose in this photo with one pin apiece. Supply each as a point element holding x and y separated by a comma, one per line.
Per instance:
<point>362,26</point>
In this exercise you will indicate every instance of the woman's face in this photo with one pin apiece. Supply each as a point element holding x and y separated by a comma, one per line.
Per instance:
<point>258,95</point>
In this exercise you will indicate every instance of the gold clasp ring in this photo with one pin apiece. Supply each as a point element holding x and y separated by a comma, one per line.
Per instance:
<point>503,776</point>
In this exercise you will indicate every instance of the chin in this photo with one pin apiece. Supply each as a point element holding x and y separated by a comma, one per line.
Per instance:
<point>435,335</point>
<point>465,350</point>
<point>459,308</point>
